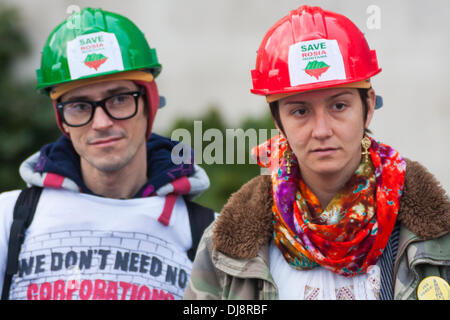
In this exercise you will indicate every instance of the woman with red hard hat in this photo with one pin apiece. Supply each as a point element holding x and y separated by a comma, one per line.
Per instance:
<point>341,216</point>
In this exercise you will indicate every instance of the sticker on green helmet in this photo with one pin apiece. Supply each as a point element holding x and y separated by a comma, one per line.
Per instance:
<point>93,53</point>
<point>95,60</point>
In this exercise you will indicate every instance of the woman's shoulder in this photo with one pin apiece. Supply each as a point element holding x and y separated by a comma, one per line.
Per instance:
<point>245,222</point>
<point>424,205</point>
<point>259,186</point>
<point>417,174</point>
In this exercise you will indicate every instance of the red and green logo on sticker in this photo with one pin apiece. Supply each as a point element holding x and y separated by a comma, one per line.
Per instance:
<point>316,68</point>
<point>95,60</point>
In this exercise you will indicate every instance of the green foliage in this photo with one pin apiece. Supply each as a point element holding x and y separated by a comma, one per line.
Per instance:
<point>27,120</point>
<point>225,178</point>
<point>13,43</point>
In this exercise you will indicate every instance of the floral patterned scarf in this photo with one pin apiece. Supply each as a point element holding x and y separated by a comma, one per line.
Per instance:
<point>350,234</point>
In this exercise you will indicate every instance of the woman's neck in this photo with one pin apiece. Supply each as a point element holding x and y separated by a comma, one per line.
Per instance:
<point>326,186</point>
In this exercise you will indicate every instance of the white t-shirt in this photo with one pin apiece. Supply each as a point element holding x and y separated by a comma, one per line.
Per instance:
<point>81,246</point>
<point>320,283</point>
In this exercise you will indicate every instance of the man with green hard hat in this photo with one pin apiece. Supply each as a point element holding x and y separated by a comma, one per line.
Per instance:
<point>107,214</point>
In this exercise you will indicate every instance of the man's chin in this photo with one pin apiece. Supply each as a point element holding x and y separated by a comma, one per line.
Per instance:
<point>112,166</point>
<point>109,165</point>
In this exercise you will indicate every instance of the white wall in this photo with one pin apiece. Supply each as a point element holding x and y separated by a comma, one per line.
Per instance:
<point>208,48</point>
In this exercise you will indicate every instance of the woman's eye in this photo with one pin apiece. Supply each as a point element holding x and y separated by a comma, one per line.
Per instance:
<point>300,111</point>
<point>339,106</point>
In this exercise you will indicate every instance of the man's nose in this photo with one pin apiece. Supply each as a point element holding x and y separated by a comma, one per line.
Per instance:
<point>101,120</point>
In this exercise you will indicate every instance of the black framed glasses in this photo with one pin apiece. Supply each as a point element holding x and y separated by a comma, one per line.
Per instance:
<point>120,106</point>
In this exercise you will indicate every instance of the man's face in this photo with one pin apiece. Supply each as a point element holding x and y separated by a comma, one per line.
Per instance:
<point>324,128</point>
<point>106,144</point>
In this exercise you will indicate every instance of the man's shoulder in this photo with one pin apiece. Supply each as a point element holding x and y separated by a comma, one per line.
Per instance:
<point>10,193</point>
<point>9,196</point>
<point>7,202</point>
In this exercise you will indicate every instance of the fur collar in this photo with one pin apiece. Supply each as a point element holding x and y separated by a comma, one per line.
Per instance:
<point>245,222</point>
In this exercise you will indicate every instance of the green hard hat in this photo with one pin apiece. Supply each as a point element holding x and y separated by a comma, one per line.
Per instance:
<point>92,43</point>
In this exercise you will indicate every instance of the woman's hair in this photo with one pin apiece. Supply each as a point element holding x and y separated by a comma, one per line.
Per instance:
<point>363,93</point>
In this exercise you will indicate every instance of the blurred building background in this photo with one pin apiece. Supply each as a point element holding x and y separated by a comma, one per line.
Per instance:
<point>207,49</point>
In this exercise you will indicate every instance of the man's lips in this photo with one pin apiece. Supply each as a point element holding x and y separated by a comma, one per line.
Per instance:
<point>105,142</point>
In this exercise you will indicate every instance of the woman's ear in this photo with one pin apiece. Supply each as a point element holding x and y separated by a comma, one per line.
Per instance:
<point>371,97</point>
<point>278,128</point>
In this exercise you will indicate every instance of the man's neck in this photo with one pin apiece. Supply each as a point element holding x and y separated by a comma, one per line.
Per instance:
<point>119,184</point>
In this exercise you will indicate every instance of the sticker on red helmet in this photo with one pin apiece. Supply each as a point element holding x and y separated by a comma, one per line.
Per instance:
<point>94,53</point>
<point>315,61</point>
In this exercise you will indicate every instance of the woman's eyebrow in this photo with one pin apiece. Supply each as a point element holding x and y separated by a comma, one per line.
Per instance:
<point>295,102</point>
<point>339,94</point>
<point>328,99</point>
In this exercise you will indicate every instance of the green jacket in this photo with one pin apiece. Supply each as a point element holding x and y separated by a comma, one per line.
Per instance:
<point>232,260</point>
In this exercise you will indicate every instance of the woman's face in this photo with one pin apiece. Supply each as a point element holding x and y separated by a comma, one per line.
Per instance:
<point>325,127</point>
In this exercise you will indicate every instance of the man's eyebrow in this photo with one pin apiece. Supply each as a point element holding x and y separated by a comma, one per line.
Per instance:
<point>107,93</point>
<point>120,90</point>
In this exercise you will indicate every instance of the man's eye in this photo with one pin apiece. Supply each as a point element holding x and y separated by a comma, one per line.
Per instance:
<point>121,99</point>
<point>79,107</point>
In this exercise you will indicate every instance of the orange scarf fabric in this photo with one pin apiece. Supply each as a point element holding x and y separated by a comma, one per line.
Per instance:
<point>350,234</point>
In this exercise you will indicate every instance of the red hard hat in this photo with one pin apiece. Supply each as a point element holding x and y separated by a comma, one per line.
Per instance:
<point>310,49</point>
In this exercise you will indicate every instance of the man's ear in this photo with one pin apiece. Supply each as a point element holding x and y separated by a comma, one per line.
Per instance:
<point>66,129</point>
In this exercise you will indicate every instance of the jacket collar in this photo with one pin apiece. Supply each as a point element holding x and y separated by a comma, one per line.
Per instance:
<point>245,223</point>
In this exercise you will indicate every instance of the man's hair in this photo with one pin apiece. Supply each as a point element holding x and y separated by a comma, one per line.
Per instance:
<point>363,93</point>
<point>144,99</point>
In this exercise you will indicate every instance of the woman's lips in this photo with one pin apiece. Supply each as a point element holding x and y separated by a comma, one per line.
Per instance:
<point>324,151</point>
